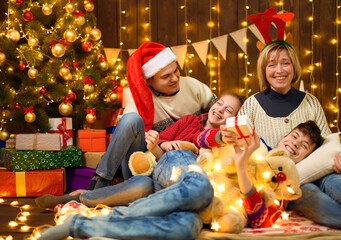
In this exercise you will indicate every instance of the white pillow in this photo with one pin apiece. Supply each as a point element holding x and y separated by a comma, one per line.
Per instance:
<point>320,162</point>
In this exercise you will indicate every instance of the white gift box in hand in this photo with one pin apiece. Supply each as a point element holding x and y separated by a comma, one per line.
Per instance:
<point>242,126</point>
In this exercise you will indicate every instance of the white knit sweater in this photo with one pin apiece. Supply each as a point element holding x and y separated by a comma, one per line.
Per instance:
<point>193,98</point>
<point>273,129</point>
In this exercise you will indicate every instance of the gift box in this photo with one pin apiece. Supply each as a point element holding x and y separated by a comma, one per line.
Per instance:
<point>92,140</point>
<point>240,125</point>
<point>32,183</point>
<point>91,159</point>
<point>78,178</point>
<point>10,143</point>
<point>38,141</point>
<point>63,126</point>
<point>19,161</point>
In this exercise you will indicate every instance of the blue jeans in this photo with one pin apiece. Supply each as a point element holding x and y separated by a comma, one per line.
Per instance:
<point>120,194</point>
<point>321,201</point>
<point>169,213</point>
<point>127,138</point>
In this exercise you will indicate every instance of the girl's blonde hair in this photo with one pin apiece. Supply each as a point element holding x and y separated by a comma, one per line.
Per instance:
<point>275,49</point>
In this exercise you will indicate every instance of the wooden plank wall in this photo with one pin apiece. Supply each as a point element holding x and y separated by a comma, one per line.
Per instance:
<point>167,20</point>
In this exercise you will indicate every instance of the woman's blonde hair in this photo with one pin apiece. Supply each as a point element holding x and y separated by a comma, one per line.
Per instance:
<point>276,48</point>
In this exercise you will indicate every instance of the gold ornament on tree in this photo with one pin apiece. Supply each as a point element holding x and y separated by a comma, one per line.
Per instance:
<point>58,48</point>
<point>88,6</point>
<point>103,64</point>
<point>2,57</point>
<point>30,117</point>
<point>79,18</point>
<point>47,9</point>
<point>70,35</point>
<point>88,87</point>
<point>14,35</point>
<point>95,34</point>
<point>4,135</point>
<point>91,115</point>
<point>114,97</point>
<point>32,73</point>
<point>69,8</point>
<point>65,108</point>
<point>33,42</point>
<point>124,83</point>
<point>64,70</point>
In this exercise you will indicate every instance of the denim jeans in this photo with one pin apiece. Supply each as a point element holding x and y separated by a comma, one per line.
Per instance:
<point>120,194</point>
<point>127,138</point>
<point>181,188</point>
<point>321,201</point>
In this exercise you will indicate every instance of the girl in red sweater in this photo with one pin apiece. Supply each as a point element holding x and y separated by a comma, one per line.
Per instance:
<point>203,131</point>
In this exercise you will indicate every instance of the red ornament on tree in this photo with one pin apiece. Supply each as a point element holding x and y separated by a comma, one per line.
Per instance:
<point>19,2</point>
<point>17,106</point>
<point>21,66</point>
<point>86,46</point>
<point>28,16</point>
<point>72,96</point>
<point>43,91</point>
<point>75,65</point>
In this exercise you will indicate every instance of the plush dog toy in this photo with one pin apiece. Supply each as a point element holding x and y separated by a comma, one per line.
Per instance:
<point>143,163</point>
<point>274,175</point>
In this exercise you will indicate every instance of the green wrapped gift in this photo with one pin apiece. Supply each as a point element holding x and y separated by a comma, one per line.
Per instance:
<point>19,161</point>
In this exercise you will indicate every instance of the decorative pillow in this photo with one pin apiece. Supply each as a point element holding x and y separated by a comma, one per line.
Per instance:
<point>320,162</point>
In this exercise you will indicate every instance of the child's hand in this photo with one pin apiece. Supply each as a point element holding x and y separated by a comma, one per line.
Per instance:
<point>169,146</point>
<point>227,136</point>
<point>243,153</point>
<point>152,138</point>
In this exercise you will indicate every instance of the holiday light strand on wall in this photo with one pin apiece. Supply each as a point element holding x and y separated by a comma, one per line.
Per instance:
<point>338,89</point>
<point>211,58</point>
<point>311,67</point>
<point>189,56</point>
<point>246,79</point>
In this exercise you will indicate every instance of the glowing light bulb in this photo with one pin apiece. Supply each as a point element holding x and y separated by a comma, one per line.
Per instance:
<point>13,224</point>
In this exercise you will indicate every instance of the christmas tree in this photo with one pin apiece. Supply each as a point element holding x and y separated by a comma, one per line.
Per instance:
<point>52,64</point>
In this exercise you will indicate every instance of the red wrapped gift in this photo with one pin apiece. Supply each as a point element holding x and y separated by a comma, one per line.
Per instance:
<point>63,126</point>
<point>92,140</point>
<point>242,126</point>
<point>32,183</point>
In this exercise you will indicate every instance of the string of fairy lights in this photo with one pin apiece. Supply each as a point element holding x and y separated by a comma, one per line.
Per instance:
<point>338,89</point>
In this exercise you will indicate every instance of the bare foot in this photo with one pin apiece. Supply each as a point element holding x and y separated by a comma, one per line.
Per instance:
<point>77,192</point>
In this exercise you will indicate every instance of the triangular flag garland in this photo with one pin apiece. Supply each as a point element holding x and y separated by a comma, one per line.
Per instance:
<point>302,86</point>
<point>256,32</point>
<point>239,37</point>
<point>221,44</point>
<point>131,51</point>
<point>201,48</point>
<point>180,52</point>
<point>111,54</point>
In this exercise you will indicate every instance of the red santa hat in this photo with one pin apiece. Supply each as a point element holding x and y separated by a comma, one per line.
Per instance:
<point>144,63</point>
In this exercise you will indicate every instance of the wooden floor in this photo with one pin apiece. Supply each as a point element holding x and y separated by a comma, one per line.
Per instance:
<point>36,218</point>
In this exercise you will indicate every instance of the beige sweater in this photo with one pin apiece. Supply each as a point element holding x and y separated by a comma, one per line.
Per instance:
<point>273,129</point>
<point>194,97</point>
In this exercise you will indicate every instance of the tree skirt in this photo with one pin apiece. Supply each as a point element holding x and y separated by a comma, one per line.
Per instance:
<point>296,226</point>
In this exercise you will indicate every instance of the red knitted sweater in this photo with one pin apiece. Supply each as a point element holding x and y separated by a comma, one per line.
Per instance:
<point>190,128</point>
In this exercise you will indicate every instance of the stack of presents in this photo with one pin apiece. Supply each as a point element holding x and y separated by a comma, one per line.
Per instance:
<point>33,165</point>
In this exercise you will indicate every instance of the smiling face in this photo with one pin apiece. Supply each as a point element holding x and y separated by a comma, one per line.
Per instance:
<point>279,71</point>
<point>298,144</point>
<point>166,80</point>
<point>227,106</point>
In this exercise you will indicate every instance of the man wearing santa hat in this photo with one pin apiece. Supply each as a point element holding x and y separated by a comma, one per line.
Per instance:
<point>160,96</point>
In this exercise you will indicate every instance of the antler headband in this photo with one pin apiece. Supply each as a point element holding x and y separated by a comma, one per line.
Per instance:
<point>264,20</point>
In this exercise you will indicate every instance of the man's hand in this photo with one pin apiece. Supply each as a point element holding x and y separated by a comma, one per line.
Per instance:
<point>152,138</point>
<point>337,163</point>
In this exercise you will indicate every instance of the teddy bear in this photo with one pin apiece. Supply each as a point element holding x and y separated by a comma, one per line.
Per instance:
<point>273,174</point>
<point>143,163</point>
